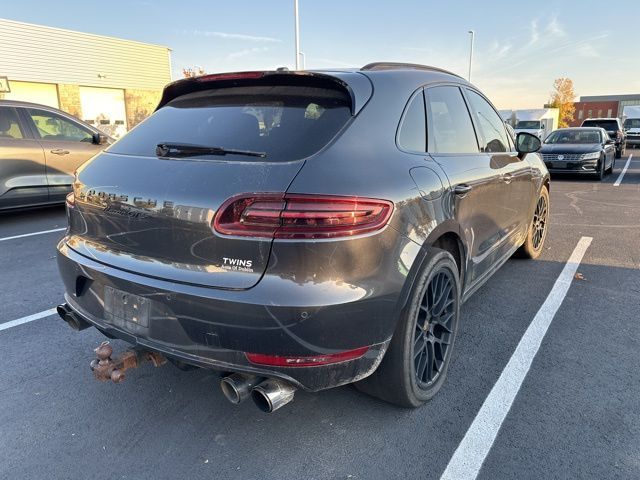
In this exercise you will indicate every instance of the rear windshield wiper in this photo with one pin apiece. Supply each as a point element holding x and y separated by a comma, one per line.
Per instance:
<point>191,150</point>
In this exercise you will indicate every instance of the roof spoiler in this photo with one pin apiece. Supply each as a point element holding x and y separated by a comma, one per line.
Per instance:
<point>266,78</point>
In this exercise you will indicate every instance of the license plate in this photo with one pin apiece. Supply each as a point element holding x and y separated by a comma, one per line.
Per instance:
<point>119,306</point>
<point>559,164</point>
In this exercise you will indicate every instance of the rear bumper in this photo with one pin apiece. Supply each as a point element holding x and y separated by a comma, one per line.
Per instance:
<point>213,328</point>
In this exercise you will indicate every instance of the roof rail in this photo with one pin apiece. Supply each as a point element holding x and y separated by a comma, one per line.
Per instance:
<point>400,66</point>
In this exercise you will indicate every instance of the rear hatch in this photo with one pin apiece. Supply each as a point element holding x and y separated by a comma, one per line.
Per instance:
<point>146,205</point>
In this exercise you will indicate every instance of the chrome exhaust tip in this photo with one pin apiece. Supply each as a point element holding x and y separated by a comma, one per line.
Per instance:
<point>237,387</point>
<point>272,394</point>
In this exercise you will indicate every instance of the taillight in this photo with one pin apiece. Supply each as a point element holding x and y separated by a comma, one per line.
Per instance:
<point>294,216</point>
<point>70,200</point>
<point>305,361</point>
<point>215,77</point>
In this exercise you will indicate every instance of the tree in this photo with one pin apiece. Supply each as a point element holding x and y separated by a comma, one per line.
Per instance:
<point>195,71</point>
<point>562,98</point>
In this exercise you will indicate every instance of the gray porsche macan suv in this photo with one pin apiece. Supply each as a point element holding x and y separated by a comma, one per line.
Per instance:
<point>303,229</point>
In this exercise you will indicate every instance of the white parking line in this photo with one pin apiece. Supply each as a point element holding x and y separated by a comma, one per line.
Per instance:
<point>34,233</point>
<point>624,170</point>
<point>474,447</point>
<point>30,318</point>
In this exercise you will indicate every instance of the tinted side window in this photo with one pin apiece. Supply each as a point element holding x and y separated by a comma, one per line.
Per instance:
<point>450,126</point>
<point>9,124</point>
<point>490,123</point>
<point>413,130</point>
<point>51,126</point>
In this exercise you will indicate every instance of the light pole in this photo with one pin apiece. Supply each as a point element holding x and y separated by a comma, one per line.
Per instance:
<point>472,35</point>
<point>295,13</point>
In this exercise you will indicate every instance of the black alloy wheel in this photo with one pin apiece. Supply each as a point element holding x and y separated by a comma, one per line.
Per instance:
<point>434,328</point>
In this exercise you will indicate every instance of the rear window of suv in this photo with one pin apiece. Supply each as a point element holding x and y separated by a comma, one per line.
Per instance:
<point>608,125</point>
<point>284,122</point>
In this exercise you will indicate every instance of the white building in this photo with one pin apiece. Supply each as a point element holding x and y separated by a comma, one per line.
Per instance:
<point>109,82</point>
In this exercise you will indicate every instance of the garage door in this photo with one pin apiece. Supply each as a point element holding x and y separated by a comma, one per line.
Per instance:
<point>104,108</point>
<point>42,93</point>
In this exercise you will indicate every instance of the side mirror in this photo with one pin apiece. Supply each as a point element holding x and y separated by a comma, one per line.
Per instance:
<point>99,139</point>
<point>527,143</point>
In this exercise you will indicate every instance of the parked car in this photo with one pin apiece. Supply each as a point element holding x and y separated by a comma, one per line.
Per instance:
<point>632,131</point>
<point>302,229</point>
<point>40,148</point>
<point>613,126</point>
<point>579,150</point>
<point>512,133</point>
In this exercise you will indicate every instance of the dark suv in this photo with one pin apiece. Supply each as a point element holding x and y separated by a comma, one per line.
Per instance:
<point>302,229</point>
<point>613,126</point>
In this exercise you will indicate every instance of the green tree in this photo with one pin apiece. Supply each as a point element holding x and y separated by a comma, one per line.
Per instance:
<point>562,98</point>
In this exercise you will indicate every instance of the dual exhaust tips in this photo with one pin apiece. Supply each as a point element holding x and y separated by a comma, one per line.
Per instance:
<point>268,394</point>
<point>69,316</point>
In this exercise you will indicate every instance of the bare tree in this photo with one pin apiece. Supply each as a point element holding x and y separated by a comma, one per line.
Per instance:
<point>194,71</point>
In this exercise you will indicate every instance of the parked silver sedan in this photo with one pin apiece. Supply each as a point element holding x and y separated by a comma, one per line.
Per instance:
<point>40,148</point>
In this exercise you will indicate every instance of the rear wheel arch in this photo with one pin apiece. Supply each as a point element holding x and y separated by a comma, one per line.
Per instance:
<point>452,243</point>
<point>444,237</point>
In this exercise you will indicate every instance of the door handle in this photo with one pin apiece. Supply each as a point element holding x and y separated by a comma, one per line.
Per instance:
<point>60,151</point>
<point>507,178</point>
<point>462,189</point>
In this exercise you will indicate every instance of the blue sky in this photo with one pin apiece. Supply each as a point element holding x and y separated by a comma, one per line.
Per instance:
<point>521,47</point>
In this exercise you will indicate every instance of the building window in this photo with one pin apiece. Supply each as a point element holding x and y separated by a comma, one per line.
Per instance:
<point>589,113</point>
<point>580,114</point>
<point>600,113</point>
<point>609,113</point>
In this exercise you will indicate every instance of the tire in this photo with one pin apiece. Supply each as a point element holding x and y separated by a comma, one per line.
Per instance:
<point>613,164</point>
<point>537,232</point>
<point>420,347</point>
<point>600,173</point>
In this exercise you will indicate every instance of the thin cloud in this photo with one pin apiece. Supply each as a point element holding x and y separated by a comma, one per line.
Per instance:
<point>246,52</point>
<point>587,51</point>
<point>555,29</point>
<point>580,43</point>
<point>498,50</point>
<point>535,35</point>
<point>231,36</point>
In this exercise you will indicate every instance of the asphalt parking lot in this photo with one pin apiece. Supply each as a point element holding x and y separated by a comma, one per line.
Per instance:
<point>576,415</point>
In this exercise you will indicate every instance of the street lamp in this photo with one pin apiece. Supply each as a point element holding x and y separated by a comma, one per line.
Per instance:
<point>297,30</point>
<point>472,35</point>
